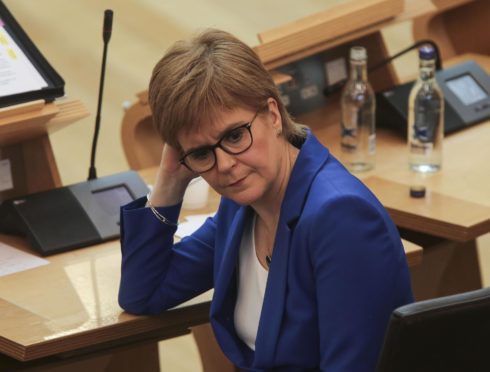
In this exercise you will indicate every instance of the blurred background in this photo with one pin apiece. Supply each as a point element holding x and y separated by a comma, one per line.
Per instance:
<point>69,34</point>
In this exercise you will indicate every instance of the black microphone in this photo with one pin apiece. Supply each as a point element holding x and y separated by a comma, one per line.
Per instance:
<point>107,30</point>
<point>106,35</point>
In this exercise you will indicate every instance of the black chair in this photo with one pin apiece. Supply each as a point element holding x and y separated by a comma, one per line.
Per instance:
<point>443,334</point>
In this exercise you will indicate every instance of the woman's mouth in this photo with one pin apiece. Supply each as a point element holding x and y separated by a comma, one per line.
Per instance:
<point>237,183</point>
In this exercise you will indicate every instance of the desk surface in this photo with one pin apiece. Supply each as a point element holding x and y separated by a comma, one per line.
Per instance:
<point>71,303</point>
<point>457,205</point>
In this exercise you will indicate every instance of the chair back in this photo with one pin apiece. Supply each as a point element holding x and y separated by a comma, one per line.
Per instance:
<point>141,142</point>
<point>456,30</point>
<point>443,334</point>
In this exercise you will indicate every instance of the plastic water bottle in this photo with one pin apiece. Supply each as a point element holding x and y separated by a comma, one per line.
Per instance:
<point>425,117</point>
<point>358,136</point>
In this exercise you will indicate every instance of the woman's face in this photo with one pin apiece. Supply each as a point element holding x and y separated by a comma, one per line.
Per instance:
<point>249,177</point>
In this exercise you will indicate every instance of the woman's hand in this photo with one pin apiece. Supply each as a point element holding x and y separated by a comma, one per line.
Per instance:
<point>172,179</point>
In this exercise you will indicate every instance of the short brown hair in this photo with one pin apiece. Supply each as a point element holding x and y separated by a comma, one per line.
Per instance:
<point>212,71</point>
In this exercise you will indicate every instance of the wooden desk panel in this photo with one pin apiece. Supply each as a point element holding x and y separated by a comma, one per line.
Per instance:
<point>28,123</point>
<point>435,214</point>
<point>303,36</point>
<point>24,142</point>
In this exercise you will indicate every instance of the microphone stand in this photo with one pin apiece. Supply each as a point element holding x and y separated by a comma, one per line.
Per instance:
<point>106,35</point>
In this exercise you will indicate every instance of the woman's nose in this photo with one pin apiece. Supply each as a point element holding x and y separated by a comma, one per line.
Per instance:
<point>224,161</point>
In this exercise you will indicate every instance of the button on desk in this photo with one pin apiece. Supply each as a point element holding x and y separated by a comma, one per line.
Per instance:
<point>67,310</point>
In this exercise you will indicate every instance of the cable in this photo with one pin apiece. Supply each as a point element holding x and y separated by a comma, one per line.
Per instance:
<point>416,45</point>
<point>337,87</point>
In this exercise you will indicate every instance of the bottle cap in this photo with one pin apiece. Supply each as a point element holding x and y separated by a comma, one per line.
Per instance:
<point>427,52</point>
<point>417,191</point>
<point>358,53</point>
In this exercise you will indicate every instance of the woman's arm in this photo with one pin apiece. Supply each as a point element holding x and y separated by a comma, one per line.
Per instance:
<point>155,273</point>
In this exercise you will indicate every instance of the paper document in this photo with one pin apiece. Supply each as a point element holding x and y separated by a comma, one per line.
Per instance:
<point>17,73</point>
<point>191,224</point>
<point>13,260</point>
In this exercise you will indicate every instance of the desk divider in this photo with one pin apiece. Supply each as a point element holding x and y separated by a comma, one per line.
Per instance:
<point>24,143</point>
<point>338,21</point>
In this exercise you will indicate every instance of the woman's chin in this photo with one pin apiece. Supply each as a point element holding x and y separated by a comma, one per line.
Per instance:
<point>245,197</point>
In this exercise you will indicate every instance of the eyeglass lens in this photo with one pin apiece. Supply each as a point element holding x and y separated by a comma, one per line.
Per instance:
<point>234,142</point>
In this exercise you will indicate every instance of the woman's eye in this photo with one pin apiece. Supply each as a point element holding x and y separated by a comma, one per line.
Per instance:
<point>235,135</point>
<point>200,155</point>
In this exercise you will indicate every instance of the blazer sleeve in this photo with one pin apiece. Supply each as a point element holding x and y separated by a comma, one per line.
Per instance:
<point>358,260</point>
<point>157,274</point>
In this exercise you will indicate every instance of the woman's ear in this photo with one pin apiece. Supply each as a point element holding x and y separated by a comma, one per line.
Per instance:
<point>275,115</point>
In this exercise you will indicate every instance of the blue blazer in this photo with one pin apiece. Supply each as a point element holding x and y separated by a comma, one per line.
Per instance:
<point>338,271</point>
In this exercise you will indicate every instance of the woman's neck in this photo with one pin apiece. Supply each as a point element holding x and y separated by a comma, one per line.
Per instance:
<point>268,208</point>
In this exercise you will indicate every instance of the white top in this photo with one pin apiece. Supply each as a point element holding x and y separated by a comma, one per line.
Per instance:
<point>252,279</point>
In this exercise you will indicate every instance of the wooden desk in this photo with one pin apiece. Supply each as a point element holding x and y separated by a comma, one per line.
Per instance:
<point>68,310</point>
<point>456,209</point>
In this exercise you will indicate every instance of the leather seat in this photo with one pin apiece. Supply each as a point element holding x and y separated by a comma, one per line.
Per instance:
<point>444,334</point>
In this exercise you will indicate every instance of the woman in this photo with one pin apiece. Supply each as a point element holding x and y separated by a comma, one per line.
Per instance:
<point>305,263</point>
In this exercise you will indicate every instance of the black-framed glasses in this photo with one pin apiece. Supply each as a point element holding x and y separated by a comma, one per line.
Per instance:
<point>234,142</point>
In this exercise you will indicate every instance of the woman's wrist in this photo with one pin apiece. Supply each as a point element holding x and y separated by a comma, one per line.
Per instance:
<point>169,189</point>
<point>157,214</point>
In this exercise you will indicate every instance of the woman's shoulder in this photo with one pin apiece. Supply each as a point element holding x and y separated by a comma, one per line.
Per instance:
<point>335,189</point>
<point>333,182</point>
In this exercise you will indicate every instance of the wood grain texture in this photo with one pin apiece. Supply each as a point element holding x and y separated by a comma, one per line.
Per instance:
<point>44,119</point>
<point>457,27</point>
<point>141,142</point>
<point>23,126</point>
<point>71,304</point>
<point>24,142</point>
<point>435,214</point>
<point>330,24</point>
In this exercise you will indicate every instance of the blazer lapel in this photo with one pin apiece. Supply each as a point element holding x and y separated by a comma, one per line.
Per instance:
<point>274,299</point>
<point>229,257</point>
<point>311,158</point>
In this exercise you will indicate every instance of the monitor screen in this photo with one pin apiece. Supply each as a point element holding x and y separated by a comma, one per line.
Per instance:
<point>466,89</point>
<point>110,200</point>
